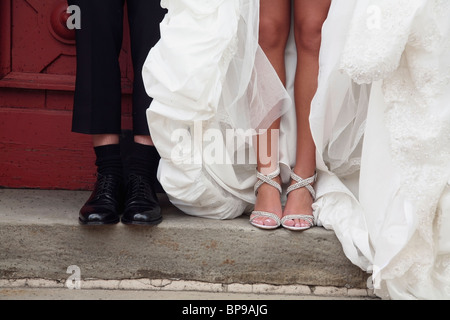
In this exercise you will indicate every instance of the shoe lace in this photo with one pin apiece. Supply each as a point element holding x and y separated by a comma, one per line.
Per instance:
<point>106,185</point>
<point>139,187</point>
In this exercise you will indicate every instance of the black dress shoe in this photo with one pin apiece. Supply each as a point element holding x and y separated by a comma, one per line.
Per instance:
<point>141,203</point>
<point>105,203</point>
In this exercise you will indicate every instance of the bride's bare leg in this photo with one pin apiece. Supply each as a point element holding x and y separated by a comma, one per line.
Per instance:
<point>309,17</point>
<point>273,33</point>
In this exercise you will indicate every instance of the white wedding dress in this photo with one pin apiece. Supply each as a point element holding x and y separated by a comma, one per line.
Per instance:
<point>380,120</point>
<point>213,89</point>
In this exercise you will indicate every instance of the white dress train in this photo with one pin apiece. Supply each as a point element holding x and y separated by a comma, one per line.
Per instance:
<point>392,211</point>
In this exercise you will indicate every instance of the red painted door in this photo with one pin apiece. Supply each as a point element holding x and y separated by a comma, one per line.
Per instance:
<point>37,80</point>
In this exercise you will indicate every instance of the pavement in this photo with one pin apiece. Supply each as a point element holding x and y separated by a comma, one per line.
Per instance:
<point>45,254</point>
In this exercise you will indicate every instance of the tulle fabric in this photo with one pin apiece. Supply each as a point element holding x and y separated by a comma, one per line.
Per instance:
<point>213,91</point>
<point>383,150</point>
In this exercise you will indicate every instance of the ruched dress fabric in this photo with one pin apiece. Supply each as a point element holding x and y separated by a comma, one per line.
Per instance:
<point>213,91</point>
<point>381,122</point>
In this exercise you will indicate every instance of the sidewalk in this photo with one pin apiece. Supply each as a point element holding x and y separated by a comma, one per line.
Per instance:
<point>41,244</point>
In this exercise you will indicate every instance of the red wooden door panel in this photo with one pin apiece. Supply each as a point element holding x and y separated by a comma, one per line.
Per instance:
<point>37,80</point>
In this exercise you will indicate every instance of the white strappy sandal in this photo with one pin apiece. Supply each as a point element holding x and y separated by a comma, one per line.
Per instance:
<point>256,214</point>
<point>301,183</point>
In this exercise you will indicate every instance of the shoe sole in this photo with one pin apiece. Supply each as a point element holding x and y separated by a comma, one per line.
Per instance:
<point>264,227</point>
<point>98,223</point>
<point>296,229</point>
<point>141,223</point>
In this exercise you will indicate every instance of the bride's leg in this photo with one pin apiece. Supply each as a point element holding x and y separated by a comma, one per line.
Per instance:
<point>308,20</point>
<point>273,35</point>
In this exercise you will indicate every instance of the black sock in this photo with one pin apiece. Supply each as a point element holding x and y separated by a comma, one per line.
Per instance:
<point>144,161</point>
<point>109,161</point>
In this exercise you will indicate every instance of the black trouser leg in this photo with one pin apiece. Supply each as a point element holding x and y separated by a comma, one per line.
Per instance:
<point>97,102</point>
<point>144,18</point>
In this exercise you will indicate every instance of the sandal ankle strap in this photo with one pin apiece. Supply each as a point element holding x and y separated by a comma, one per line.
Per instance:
<point>303,183</point>
<point>267,179</point>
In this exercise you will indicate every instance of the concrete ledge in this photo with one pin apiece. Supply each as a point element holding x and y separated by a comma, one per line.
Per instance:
<point>40,238</point>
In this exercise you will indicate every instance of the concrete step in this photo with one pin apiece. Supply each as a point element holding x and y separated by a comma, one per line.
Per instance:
<point>40,238</point>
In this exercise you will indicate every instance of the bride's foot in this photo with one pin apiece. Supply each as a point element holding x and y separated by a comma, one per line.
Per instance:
<point>268,210</point>
<point>298,212</point>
